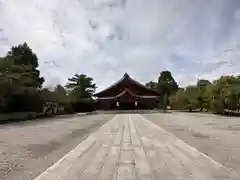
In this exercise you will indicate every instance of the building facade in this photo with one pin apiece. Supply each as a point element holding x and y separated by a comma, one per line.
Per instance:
<point>127,93</point>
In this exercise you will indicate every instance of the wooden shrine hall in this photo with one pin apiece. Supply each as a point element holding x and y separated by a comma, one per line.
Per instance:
<point>127,94</point>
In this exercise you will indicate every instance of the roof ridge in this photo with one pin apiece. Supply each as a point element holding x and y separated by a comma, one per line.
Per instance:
<point>125,76</point>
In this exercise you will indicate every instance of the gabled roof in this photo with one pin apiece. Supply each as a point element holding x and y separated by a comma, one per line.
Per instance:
<point>127,91</point>
<point>126,76</point>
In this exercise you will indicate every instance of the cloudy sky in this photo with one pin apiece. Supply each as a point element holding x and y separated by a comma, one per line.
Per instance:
<point>105,38</point>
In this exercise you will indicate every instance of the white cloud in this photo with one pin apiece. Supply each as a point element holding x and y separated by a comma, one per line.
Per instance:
<point>105,38</point>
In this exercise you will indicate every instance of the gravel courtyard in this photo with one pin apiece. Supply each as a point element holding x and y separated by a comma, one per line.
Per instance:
<point>215,136</point>
<point>28,148</point>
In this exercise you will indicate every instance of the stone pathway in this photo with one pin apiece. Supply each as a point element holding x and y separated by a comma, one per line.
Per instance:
<point>130,147</point>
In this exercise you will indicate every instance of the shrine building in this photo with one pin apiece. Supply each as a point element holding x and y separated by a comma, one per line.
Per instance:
<point>127,93</point>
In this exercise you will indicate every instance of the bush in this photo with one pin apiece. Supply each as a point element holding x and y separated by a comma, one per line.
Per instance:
<point>23,103</point>
<point>217,106</point>
<point>68,108</point>
<point>83,106</point>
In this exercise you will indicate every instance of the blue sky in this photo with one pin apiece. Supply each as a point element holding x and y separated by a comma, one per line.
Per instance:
<point>106,38</point>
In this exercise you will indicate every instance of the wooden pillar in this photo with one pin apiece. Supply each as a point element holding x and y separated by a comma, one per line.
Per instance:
<point>136,104</point>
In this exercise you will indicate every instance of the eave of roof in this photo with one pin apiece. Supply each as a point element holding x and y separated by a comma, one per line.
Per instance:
<point>126,76</point>
<point>124,92</point>
<point>114,97</point>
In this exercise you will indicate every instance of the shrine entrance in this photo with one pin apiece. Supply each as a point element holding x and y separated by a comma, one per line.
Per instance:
<point>127,106</point>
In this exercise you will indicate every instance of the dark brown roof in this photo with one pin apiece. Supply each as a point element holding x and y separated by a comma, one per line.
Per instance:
<point>126,76</point>
<point>127,91</point>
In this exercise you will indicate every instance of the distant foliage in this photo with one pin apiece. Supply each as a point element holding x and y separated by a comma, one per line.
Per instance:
<point>221,95</point>
<point>82,86</point>
<point>166,86</point>
<point>81,89</point>
<point>21,89</point>
<point>21,86</point>
<point>166,83</point>
<point>20,80</point>
<point>152,85</point>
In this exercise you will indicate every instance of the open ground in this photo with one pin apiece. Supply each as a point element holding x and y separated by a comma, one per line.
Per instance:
<point>123,146</point>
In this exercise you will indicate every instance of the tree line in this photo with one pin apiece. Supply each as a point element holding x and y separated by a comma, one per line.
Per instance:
<point>21,86</point>
<point>21,89</point>
<point>221,96</point>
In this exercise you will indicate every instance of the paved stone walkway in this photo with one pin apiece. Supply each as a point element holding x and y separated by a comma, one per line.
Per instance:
<point>130,147</point>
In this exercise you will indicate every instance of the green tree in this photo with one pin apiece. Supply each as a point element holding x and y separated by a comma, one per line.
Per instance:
<point>152,85</point>
<point>166,83</point>
<point>203,96</point>
<point>61,95</point>
<point>23,55</point>
<point>192,97</point>
<point>82,86</point>
<point>47,95</point>
<point>82,89</point>
<point>179,100</point>
<point>5,82</point>
<point>25,64</point>
<point>166,86</point>
<point>220,96</point>
<point>20,79</point>
<point>203,83</point>
<point>226,94</point>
